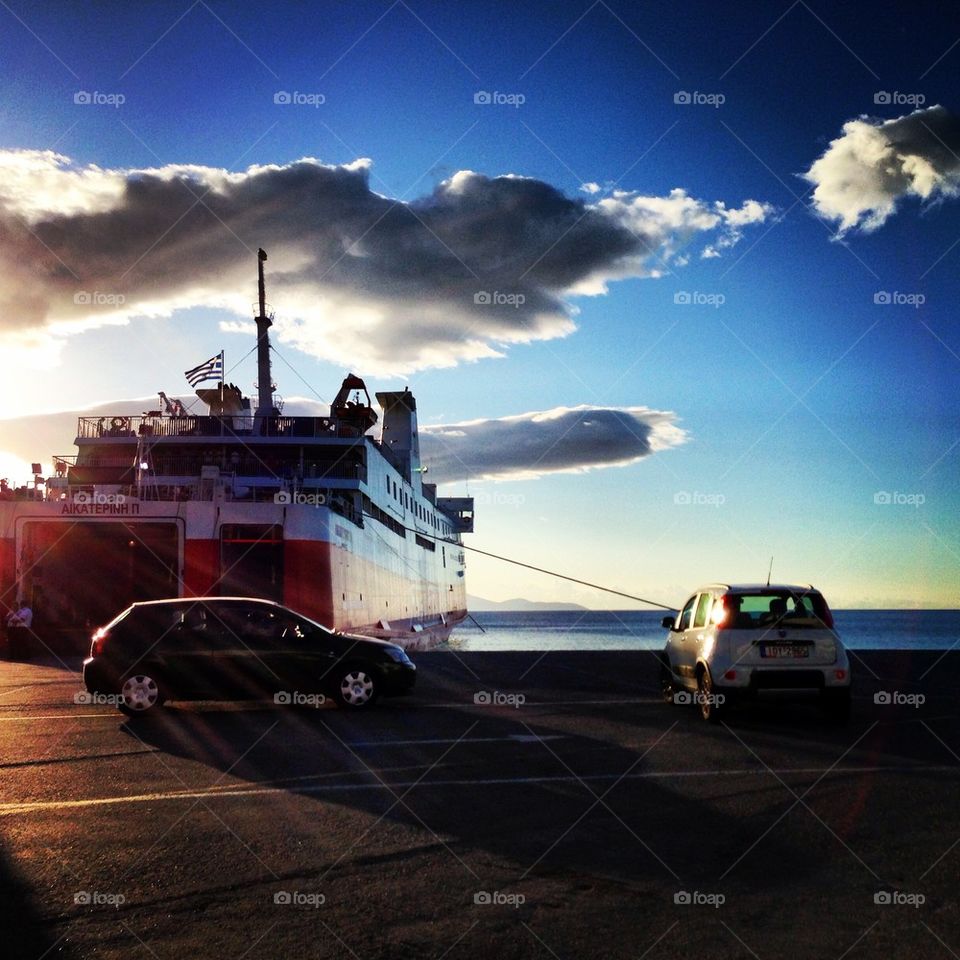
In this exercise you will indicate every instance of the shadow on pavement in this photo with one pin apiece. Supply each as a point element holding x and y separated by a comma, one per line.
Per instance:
<point>25,933</point>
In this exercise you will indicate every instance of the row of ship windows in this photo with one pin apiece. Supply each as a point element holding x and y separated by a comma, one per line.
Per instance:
<point>408,503</point>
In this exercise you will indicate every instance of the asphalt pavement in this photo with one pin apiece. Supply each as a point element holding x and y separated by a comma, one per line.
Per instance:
<point>515,805</point>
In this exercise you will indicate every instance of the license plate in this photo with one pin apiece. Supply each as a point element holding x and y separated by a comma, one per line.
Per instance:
<point>784,651</point>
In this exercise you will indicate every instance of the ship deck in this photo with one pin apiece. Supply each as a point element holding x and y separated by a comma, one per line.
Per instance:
<point>581,810</point>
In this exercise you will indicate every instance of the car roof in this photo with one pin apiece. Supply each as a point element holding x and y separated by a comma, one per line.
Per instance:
<point>757,587</point>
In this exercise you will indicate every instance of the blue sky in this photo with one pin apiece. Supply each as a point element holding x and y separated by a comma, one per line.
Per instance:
<point>802,396</point>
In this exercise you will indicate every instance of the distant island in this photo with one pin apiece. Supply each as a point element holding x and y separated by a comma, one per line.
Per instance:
<point>480,605</point>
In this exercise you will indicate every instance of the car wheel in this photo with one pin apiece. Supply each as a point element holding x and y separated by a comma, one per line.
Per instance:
<point>835,705</point>
<point>140,694</point>
<point>710,710</point>
<point>356,687</point>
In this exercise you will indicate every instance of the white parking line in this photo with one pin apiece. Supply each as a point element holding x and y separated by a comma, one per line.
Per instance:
<point>37,806</point>
<point>112,715</point>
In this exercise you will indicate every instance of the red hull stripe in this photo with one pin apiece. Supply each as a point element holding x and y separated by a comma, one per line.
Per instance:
<point>306,579</point>
<point>201,567</point>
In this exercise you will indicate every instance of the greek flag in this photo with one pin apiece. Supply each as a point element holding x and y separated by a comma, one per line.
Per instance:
<point>211,369</point>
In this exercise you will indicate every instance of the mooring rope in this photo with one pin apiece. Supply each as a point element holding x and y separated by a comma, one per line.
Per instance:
<point>530,566</point>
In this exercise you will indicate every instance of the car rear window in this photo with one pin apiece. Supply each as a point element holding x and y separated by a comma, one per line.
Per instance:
<point>763,608</point>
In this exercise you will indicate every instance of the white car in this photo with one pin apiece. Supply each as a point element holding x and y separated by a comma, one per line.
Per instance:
<point>732,640</point>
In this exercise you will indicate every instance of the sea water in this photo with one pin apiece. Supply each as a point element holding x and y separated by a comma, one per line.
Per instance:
<point>641,630</point>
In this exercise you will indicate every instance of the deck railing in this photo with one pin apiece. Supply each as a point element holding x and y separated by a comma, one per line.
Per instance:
<point>126,427</point>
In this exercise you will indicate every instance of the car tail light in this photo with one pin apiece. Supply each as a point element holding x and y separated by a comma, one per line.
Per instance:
<point>722,614</point>
<point>98,642</point>
<point>840,674</point>
<point>730,675</point>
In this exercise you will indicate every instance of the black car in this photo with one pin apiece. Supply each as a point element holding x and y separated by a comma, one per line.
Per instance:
<point>232,648</point>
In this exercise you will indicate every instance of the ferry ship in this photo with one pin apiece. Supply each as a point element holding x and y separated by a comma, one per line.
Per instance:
<point>318,513</point>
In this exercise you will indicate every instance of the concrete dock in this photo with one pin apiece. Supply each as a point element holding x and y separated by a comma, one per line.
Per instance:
<point>516,805</point>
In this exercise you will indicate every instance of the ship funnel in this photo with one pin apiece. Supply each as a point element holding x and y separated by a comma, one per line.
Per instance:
<point>265,407</point>
<point>400,434</point>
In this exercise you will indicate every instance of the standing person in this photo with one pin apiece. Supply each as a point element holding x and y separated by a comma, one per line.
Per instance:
<point>19,625</point>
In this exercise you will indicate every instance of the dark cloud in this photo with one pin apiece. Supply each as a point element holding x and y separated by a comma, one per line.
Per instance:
<point>551,441</point>
<point>360,278</point>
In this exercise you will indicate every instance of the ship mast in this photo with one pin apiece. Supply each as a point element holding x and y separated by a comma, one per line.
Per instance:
<point>264,322</point>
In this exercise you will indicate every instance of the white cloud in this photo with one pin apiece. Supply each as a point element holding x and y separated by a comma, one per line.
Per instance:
<point>673,223</point>
<point>37,183</point>
<point>864,173</point>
